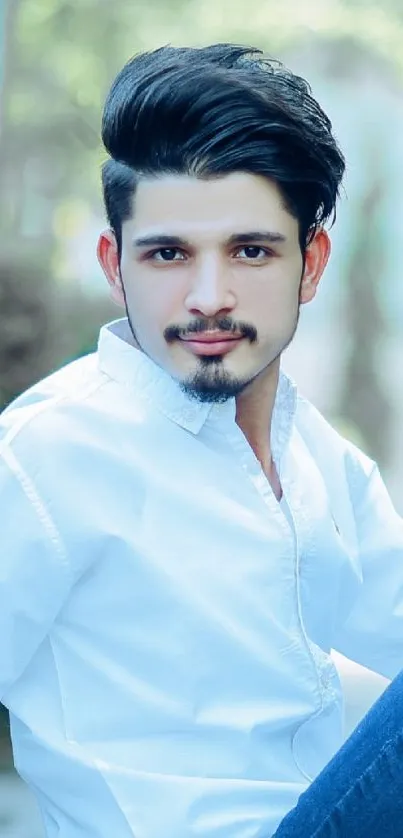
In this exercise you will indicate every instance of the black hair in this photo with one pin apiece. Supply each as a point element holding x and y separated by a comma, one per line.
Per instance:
<point>212,111</point>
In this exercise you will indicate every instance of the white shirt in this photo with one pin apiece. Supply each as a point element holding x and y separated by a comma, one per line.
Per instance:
<point>165,627</point>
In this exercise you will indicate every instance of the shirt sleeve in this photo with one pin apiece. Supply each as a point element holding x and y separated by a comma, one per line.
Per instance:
<point>372,634</point>
<point>34,574</point>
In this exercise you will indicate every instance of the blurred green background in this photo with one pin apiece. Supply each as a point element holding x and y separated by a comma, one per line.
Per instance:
<point>57,60</point>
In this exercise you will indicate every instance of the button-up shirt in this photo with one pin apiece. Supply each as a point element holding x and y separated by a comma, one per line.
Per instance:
<point>165,624</point>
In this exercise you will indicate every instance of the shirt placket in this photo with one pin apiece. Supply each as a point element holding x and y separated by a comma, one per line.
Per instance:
<point>324,667</point>
<point>295,523</point>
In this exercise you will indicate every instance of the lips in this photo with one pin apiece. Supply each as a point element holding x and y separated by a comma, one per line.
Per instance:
<point>212,343</point>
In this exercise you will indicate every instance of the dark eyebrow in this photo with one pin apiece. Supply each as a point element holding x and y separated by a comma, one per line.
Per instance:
<point>163,240</point>
<point>257,236</point>
<point>160,240</point>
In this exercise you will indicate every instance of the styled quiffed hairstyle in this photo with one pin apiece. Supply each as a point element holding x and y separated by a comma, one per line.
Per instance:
<point>215,110</point>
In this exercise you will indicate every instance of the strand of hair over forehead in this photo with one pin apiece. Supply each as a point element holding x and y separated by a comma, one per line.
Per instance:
<point>187,108</point>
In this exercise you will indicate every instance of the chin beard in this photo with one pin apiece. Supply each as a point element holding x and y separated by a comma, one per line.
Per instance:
<point>212,384</point>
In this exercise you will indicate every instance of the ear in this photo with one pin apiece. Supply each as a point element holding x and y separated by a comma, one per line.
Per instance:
<point>316,258</point>
<point>108,258</point>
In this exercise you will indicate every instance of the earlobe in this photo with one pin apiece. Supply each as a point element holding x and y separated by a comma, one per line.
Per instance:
<point>309,285</point>
<point>316,258</point>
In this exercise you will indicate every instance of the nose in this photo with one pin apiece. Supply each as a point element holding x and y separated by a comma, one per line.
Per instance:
<point>210,292</point>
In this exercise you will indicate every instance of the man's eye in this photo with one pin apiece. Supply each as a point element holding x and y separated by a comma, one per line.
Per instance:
<point>252,251</point>
<point>167,254</point>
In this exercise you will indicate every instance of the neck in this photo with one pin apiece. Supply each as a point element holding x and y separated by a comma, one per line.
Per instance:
<point>254,411</point>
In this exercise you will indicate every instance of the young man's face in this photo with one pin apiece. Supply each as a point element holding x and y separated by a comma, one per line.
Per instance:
<point>212,276</point>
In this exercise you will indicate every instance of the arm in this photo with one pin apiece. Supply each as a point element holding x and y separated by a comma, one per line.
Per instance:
<point>372,634</point>
<point>34,574</point>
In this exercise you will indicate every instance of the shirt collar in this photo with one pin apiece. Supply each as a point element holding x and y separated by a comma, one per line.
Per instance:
<point>123,362</point>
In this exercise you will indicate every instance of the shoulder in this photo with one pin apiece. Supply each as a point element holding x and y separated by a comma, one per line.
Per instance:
<point>70,440</point>
<point>41,437</point>
<point>67,388</point>
<point>328,446</point>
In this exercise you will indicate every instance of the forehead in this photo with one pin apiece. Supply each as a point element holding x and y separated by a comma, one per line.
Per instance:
<point>191,207</point>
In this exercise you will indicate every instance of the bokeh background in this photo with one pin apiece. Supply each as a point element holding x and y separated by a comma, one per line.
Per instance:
<point>57,60</point>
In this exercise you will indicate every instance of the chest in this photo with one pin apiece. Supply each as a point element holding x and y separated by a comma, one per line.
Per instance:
<point>203,541</point>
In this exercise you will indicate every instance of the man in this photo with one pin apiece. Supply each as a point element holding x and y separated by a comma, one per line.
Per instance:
<point>185,539</point>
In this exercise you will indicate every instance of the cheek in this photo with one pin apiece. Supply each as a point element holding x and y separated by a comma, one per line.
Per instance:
<point>154,303</point>
<point>274,304</point>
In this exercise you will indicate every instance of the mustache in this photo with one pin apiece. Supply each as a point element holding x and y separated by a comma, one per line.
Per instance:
<point>202,324</point>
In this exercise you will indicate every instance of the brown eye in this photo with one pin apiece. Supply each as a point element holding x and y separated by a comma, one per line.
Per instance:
<point>252,252</point>
<point>167,254</point>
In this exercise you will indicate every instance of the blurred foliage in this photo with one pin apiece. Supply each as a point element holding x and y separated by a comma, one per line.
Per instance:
<point>24,326</point>
<point>363,399</point>
<point>39,329</point>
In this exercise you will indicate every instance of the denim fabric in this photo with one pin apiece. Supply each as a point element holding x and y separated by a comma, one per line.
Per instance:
<point>360,792</point>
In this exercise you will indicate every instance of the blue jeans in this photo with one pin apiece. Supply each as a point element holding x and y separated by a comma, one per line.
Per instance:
<point>359,794</point>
